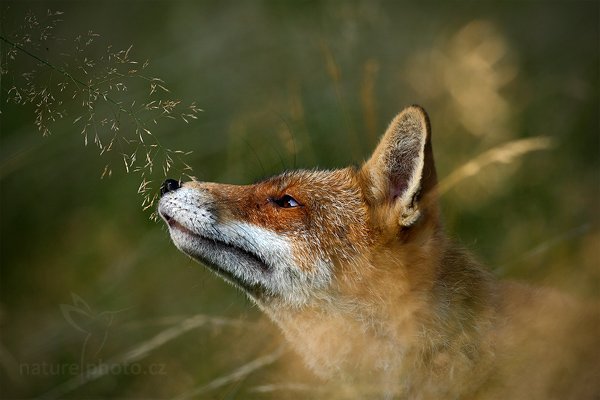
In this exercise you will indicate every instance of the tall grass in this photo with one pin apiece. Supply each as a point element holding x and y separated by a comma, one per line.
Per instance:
<point>94,81</point>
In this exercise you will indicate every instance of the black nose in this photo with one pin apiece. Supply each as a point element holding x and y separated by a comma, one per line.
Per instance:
<point>168,186</point>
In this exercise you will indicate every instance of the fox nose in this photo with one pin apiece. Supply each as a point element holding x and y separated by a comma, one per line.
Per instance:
<point>168,186</point>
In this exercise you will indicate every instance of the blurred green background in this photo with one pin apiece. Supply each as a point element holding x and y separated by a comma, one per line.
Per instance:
<point>88,279</point>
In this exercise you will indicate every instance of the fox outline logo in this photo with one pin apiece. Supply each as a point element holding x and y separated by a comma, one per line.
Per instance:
<point>354,266</point>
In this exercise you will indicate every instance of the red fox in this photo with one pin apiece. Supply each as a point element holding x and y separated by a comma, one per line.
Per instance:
<point>353,265</point>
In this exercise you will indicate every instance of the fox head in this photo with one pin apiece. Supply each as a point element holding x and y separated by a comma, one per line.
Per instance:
<point>310,235</point>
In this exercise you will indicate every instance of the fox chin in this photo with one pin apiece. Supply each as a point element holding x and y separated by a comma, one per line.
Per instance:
<point>355,268</point>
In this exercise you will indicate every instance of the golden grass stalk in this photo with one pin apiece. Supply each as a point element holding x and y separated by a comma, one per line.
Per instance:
<point>505,154</point>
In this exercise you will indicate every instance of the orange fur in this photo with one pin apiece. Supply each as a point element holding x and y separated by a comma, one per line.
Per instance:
<point>405,311</point>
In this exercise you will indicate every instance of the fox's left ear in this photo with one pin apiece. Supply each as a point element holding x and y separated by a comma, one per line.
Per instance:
<point>401,171</point>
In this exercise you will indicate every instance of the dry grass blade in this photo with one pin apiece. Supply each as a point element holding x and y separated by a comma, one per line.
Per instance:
<point>236,374</point>
<point>548,244</point>
<point>138,352</point>
<point>285,387</point>
<point>505,153</point>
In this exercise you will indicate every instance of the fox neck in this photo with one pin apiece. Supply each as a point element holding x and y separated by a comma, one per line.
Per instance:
<point>387,325</point>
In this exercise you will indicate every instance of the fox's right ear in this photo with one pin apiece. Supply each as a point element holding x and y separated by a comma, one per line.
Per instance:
<point>401,170</point>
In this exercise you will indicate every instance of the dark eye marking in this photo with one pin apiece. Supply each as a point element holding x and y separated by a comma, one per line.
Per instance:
<point>286,201</point>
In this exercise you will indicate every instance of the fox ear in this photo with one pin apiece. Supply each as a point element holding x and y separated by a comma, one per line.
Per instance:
<point>401,170</point>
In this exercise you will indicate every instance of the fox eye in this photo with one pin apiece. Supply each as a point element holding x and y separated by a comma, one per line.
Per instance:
<point>286,201</point>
